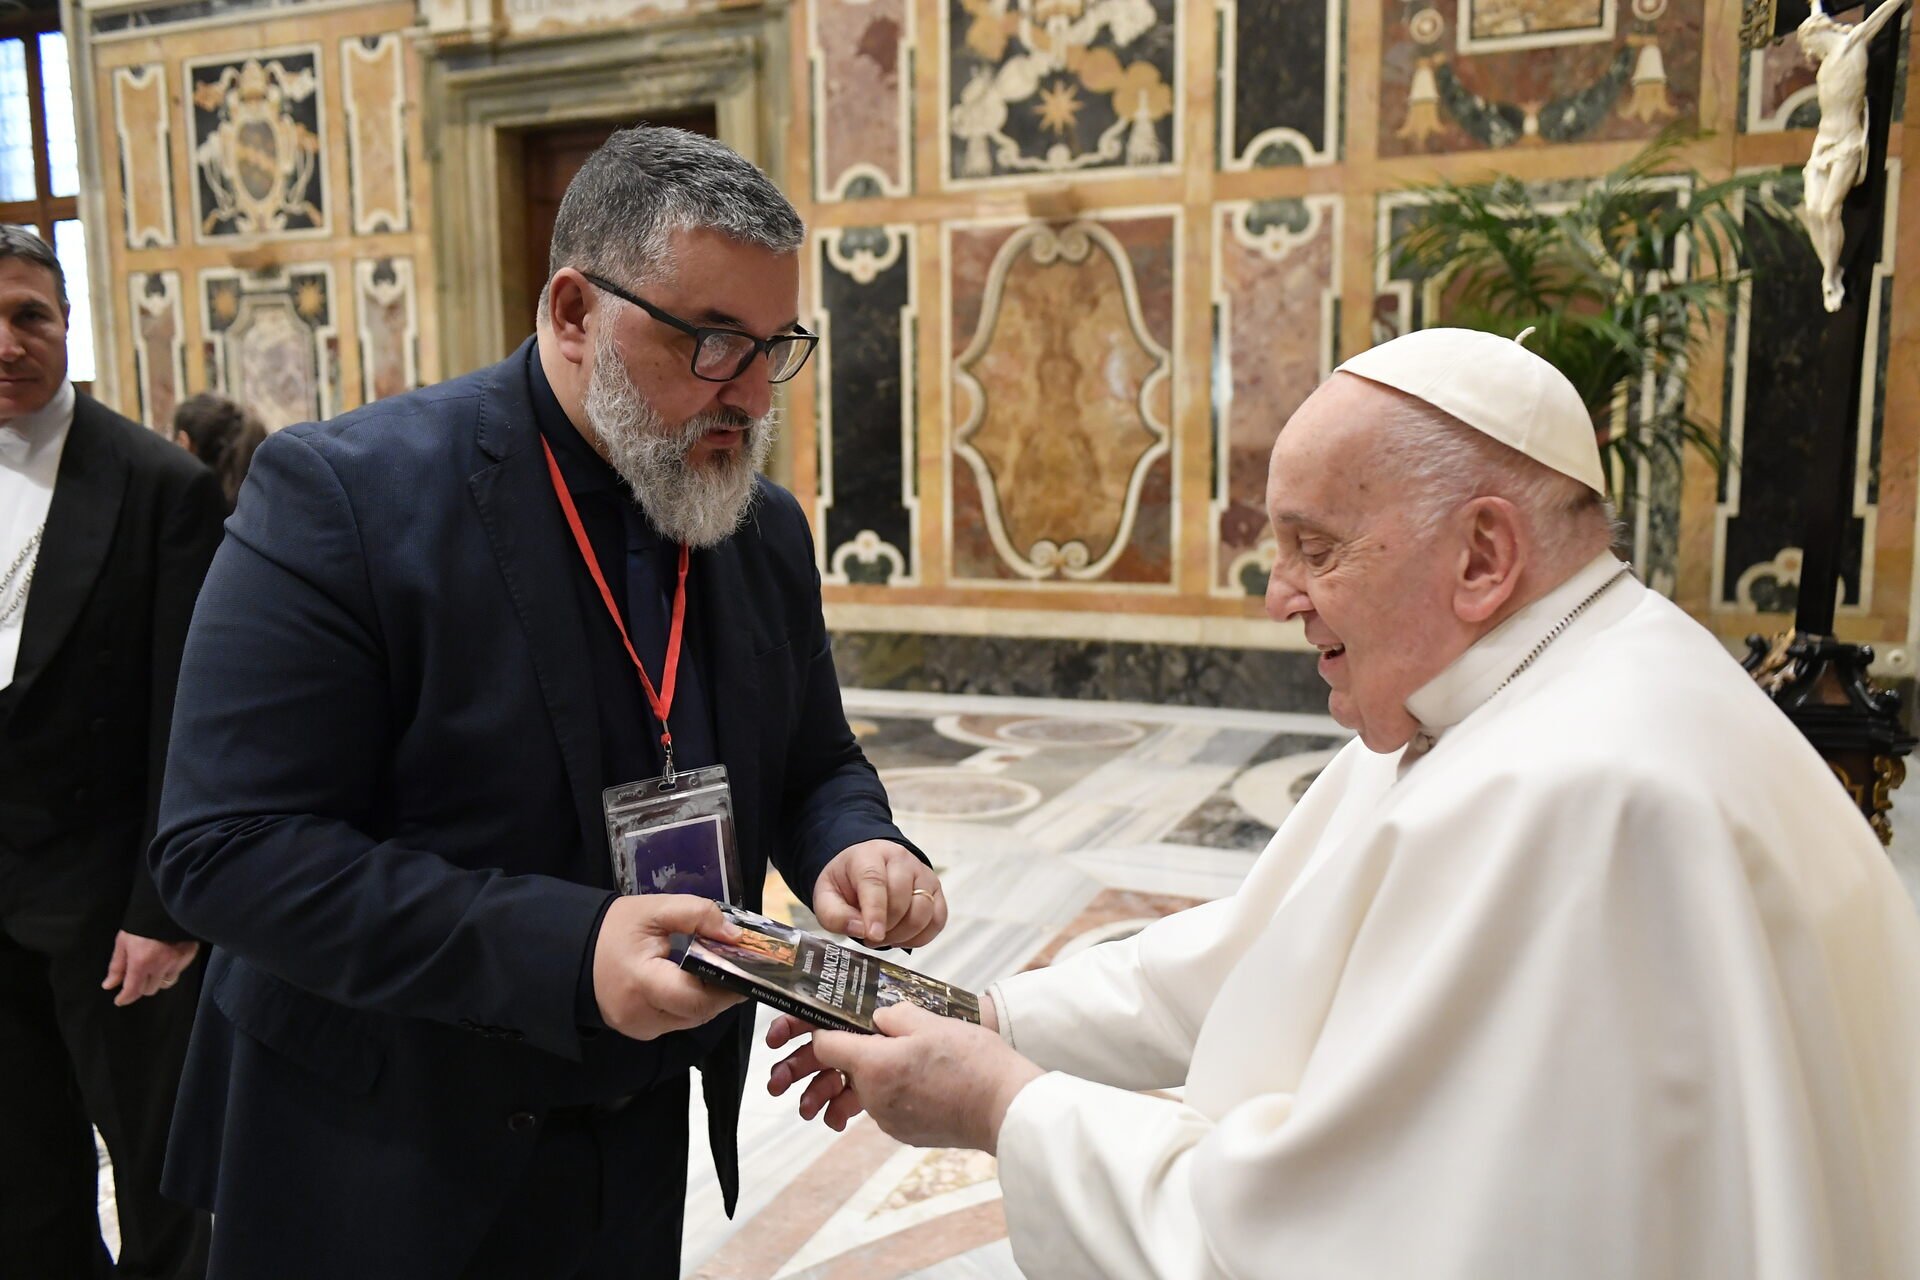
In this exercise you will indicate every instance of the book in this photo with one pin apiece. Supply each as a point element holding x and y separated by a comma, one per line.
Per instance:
<point>814,978</point>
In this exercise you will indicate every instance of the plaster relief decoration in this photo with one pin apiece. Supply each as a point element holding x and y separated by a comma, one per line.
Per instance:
<point>258,135</point>
<point>1279,86</point>
<point>159,343</point>
<point>868,511</point>
<point>1773,384</point>
<point>389,327</point>
<point>140,111</point>
<point>1276,323</point>
<point>861,53</point>
<point>1777,91</point>
<point>1056,87</point>
<point>272,341</point>
<point>1062,401</point>
<point>1563,71</point>
<point>373,84</point>
<point>555,17</point>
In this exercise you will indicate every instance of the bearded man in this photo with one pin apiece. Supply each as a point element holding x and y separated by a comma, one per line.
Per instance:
<point>434,1042</point>
<point>1577,962</point>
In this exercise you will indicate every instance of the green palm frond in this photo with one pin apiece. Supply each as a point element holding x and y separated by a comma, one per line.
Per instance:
<point>1620,284</point>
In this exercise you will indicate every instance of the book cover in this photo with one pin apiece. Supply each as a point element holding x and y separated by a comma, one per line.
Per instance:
<point>815,978</point>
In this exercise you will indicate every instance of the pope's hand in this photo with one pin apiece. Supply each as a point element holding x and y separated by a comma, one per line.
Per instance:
<point>878,892</point>
<point>642,993</point>
<point>927,1081</point>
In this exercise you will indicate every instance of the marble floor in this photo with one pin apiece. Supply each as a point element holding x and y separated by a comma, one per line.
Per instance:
<point>1055,825</point>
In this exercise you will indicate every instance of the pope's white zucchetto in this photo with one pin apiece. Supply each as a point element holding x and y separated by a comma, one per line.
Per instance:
<point>1496,386</point>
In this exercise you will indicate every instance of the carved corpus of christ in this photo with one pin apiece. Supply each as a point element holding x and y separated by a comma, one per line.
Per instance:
<point>1839,159</point>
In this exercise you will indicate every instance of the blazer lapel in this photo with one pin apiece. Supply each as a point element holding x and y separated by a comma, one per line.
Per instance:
<point>80,525</point>
<point>719,592</point>
<point>529,539</point>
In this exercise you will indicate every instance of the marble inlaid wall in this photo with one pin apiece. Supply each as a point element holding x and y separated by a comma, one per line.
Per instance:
<point>1095,413</point>
<point>1075,261</point>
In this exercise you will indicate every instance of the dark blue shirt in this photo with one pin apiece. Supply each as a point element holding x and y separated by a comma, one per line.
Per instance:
<point>641,570</point>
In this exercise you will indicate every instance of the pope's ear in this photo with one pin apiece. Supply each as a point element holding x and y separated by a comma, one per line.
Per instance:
<point>569,299</point>
<point>1492,559</point>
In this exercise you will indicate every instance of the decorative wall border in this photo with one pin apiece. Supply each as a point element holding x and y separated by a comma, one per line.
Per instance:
<point>369,291</point>
<point>144,231</point>
<point>159,376</point>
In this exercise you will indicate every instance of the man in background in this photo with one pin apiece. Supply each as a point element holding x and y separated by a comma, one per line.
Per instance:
<point>105,533</point>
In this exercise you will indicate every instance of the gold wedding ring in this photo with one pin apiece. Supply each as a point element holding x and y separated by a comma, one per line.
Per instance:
<point>923,893</point>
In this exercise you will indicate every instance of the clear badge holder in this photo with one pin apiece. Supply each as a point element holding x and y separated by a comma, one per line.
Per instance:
<point>675,834</point>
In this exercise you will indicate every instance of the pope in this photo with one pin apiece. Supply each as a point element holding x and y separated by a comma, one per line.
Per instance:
<point>1577,961</point>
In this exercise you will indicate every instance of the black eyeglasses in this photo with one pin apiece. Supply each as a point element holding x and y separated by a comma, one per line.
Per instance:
<point>721,355</point>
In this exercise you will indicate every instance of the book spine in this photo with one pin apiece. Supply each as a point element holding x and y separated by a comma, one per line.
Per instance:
<point>771,997</point>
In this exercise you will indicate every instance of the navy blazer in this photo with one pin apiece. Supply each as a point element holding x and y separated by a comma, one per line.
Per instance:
<point>383,809</point>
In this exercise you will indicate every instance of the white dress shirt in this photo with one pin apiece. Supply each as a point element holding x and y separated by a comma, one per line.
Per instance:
<point>30,449</point>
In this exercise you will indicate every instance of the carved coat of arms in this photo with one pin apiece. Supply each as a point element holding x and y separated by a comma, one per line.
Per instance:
<point>258,147</point>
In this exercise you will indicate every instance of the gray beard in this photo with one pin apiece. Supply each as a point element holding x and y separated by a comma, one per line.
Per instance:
<point>693,506</point>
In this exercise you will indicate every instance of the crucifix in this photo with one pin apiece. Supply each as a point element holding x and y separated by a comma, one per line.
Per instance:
<point>1820,682</point>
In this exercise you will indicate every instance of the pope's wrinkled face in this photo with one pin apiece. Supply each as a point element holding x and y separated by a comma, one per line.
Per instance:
<point>1370,581</point>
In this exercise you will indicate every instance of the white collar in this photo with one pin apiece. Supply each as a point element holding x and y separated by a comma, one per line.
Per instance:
<point>1477,674</point>
<point>22,435</point>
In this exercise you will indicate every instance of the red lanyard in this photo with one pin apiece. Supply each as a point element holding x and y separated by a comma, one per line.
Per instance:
<point>662,700</point>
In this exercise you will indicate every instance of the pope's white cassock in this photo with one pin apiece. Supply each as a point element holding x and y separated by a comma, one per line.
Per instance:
<point>1613,981</point>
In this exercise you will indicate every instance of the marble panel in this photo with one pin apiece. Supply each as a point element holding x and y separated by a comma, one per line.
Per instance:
<point>1050,88</point>
<point>862,59</point>
<point>258,126</point>
<point>389,326</point>
<point>1279,94</point>
<point>141,113</point>
<point>1276,321</point>
<point>868,509</point>
<point>1120,671</point>
<point>1773,397</point>
<point>373,91</point>
<point>1465,75</point>
<point>159,344</point>
<point>1062,392</point>
<point>272,341</point>
<point>1776,83</point>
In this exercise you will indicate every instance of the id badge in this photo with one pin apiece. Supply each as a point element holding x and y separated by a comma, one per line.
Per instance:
<point>675,835</point>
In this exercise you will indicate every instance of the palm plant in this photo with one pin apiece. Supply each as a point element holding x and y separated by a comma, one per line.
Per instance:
<point>1619,285</point>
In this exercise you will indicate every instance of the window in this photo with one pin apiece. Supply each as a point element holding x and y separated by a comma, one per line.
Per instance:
<point>40,163</point>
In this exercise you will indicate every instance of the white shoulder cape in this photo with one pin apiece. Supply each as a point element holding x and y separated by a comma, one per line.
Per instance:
<point>1615,982</point>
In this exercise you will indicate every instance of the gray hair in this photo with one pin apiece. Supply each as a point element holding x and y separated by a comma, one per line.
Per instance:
<point>622,209</point>
<point>1447,463</point>
<point>26,244</point>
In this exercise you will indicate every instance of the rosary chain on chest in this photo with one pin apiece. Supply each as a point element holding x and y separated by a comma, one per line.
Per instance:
<point>1560,627</point>
<point>19,577</point>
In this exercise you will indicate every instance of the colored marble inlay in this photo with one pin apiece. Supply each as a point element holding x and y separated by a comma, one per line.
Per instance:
<point>861,117</point>
<point>1062,399</point>
<point>159,344</point>
<point>258,135</point>
<point>1463,75</point>
<point>272,343</point>
<point>374,90</point>
<point>1280,74</point>
<point>1054,87</point>
<point>140,110</point>
<point>868,483</point>
<point>1276,324</point>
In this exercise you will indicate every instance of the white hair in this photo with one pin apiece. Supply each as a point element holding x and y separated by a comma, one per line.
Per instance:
<point>1446,464</point>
